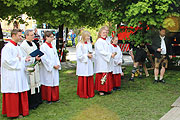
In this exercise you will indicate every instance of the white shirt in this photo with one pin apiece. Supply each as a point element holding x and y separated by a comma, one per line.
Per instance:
<point>84,64</point>
<point>49,76</point>
<point>13,76</point>
<point>163,45</point>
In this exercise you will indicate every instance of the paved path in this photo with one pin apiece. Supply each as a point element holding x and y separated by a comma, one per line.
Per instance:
<point>72,56</point>
<point>174,112</point>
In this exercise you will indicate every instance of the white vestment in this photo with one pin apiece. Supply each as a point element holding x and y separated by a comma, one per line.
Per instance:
<point>33,77</point>
<point>102,56</point>
<point>117,60</point>
<point>108,39</point>
<point>84,64</point>
<point>49,76</point>
<point>13,76</point>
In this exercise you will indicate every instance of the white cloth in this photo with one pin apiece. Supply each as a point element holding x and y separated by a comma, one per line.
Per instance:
<point>108,39</point>
<point>84,64</point>
<point>13,76</point>
<point>163,45</point>
<point>102,56</point>
<point>33,77</point>
<point>49,76</point>
<point>117,60</point>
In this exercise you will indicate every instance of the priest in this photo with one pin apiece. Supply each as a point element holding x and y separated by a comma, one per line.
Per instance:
<point>27,47</point>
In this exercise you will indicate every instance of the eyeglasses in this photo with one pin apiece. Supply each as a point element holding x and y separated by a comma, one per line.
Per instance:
<point>51,36</point>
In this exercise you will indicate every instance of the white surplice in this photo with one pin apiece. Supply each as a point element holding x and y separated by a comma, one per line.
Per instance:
<point>13,76</point>
<point>49,76</point>
<point>117,60</point>
<point>33,77</point>
<point>84,64</point>
<point>108,39</point>
<point>102,56</point>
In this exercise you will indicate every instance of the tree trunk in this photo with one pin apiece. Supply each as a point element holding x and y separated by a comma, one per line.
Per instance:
<point>1,46</point>
<point>1,34</point>
<point>66,35</point>
<point>1,42</point>
<point>60,37</point>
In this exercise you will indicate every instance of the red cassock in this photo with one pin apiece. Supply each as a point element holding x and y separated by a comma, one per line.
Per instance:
<point>116,80</point>
<point>50,93</point>
<point>15,104</point>
<point>85,88</point>
<point>107,86</point>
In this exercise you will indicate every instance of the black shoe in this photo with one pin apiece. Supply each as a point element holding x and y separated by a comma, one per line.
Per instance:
<point>118,88</point>
<point>162,81</point>
<point>108,93</point>
<point>155,81</point>
<point>131,79</point>
<point>56,101</point>
<point>49,102</point>
<point>114,89</point>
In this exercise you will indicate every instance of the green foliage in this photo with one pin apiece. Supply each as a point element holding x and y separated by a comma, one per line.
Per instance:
<point>94,32</point>
<point>71,13</point>
<point>152,12</point>
<point>149,12</point>
<point>91,13</point>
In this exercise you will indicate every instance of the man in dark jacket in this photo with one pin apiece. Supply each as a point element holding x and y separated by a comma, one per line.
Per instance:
<point>162,50</point>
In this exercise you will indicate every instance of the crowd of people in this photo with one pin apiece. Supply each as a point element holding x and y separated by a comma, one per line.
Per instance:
<point>107,61</point>
<point>30,87</point>
<point>162,50</point>
<point>24,86</point>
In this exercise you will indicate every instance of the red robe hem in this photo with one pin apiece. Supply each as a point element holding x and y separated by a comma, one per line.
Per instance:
<point>85,87</point>
<point>107,86</point>
<point>49,93</point>
<point>116,80</point>
<point>15,104</point>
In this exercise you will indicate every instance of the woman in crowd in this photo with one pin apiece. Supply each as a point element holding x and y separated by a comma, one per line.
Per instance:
<point>103,81</point>
<point>84,70</point>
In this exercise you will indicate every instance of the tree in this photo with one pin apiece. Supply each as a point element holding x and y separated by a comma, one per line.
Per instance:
<point>149,12</point>
<point>71,13</point>
<point>152,12</point>
<point>68,12</point>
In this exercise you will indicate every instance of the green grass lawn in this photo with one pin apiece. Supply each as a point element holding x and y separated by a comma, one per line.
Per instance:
<point>139,100</point>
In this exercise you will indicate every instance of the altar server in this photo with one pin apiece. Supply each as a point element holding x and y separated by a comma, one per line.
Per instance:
<point>84,69</point>
<point>103,55</point>
<point>117,62</point>
<point>49,70</point>
<point>14,84</point>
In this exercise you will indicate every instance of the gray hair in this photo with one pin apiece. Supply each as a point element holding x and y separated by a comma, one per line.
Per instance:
<point>27,32</point>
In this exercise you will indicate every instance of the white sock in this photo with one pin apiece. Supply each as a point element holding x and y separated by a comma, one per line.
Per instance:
<point>156,77</point>
<point>161,77</point>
